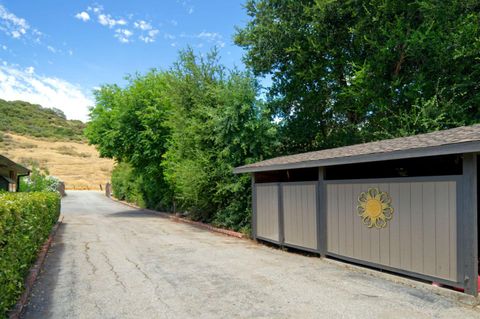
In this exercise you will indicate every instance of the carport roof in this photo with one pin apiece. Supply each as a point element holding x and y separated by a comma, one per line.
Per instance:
<point>465,139</point>
<point>5,162</point>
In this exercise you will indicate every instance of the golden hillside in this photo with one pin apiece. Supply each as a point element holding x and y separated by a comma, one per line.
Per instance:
<point>77,164</point>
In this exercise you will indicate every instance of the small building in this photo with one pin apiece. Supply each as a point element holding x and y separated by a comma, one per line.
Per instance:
<point>10,173</point>
<point>406,205</point>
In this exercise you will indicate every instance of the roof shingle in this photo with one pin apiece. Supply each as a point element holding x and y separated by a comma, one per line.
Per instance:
<point>463,139</point>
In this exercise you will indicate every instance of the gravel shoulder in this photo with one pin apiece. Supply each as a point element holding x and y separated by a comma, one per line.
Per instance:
<point>113,261</point>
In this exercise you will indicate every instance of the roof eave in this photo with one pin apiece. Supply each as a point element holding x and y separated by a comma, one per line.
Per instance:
<point>457,148</point>
<point>19,168</point>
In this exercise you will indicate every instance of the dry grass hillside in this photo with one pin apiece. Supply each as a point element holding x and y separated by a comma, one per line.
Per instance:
<point>76,163</point>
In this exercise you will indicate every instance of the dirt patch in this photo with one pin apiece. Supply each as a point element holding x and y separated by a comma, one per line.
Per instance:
<point>77,164</point>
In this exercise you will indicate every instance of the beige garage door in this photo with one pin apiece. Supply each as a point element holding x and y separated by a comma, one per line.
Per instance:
<point>300,214</point>
<point>267,211</point>
<point>419,237</point>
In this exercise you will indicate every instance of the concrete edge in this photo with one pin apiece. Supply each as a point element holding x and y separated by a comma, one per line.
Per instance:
<point>17,311</point>
<point>174,218</point>
<point>441,291</point>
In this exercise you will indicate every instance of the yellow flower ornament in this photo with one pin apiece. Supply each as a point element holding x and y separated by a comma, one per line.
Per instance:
<point>374,208</point>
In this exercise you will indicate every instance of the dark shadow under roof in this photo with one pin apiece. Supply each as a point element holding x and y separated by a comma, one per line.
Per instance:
<point>5,162</point>
<point>465,139</point>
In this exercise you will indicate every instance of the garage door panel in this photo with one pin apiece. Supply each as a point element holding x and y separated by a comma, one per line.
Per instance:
<point>267,211</point>
<point>405,227</point>
<point>357,230</point>
<point>420,237</point>
<point>300,214</point>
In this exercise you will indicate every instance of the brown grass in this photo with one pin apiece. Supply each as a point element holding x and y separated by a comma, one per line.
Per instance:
<point>77,164</point>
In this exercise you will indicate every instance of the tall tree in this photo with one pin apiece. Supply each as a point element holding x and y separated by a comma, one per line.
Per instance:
<point>216,124</point>
<point>360,70</point>
<point>129,125</point>
<point>178,134</point>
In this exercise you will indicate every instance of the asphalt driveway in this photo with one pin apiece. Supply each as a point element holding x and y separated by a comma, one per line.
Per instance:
<point>112,261</point>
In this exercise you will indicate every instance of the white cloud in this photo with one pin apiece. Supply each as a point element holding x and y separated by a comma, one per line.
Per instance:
<point>84,16</point>
<point>51,49</point>
<point>150,37</point>
<point>146,31</point>
<point>107,20</point>
<point>148,34</point>
<point>123,35</point>
<point>142,25</point>
<point>16,34</point>
<point>18,28</point>
<point>12,25</point>
<point>37,35</point>
<point>96,9</point>
<point>212,37</point>
<point>4,47</point>
<point>26,85</point>
<point>30,70</point>
<point>209,35</point>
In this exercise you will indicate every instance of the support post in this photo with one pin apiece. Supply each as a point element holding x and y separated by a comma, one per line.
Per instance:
<point>321,213</point>
<point>281,225</point>
<point>469,236</point>
<point>254,208</point>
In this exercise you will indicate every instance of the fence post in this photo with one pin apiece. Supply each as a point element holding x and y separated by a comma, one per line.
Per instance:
<point>108,189</point>
<point>61,189</point>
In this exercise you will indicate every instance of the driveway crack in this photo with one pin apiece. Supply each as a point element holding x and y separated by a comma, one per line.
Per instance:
<point>138,268</point>
<point>112,270</point>
<point>167,307</point>
<point>87,257</point>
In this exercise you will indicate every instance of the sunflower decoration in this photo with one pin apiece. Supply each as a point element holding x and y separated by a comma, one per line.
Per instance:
<point>375,209</point>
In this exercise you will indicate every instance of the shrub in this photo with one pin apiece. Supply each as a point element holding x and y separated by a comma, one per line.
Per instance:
<point>39,182</point>
<point>126,185</point>
<point>26,220</point>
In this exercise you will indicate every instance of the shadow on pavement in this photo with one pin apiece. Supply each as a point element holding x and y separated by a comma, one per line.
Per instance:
<point>135,214</point>
<point>41,300</point>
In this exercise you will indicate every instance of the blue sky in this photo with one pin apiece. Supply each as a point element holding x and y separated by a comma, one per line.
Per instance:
<point>55,52</point>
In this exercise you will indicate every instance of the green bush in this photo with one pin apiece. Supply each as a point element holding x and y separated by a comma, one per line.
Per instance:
<point>26,220</point>
<point>126,185</point>
<point>39,181</point>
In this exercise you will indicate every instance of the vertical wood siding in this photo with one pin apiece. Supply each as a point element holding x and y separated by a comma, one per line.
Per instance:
<point>267,211</point>
<point>421,236</point>
<point>300,214</point>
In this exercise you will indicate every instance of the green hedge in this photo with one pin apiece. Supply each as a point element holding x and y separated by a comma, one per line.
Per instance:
<point>26,220</point>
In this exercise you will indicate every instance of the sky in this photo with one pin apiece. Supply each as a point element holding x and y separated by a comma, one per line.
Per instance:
<point>56,52</point>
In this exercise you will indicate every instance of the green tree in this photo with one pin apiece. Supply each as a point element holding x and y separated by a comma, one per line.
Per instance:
<point>216,124</point>
<point>178,134</point>
<point>353,71</point>
<point>129,125</point>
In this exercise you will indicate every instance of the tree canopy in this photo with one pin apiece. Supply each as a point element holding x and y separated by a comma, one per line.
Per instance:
<point>179,133</point>
<point>352,71</point>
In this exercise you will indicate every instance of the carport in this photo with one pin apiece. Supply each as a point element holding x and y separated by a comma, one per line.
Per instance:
<point>406,205</point>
